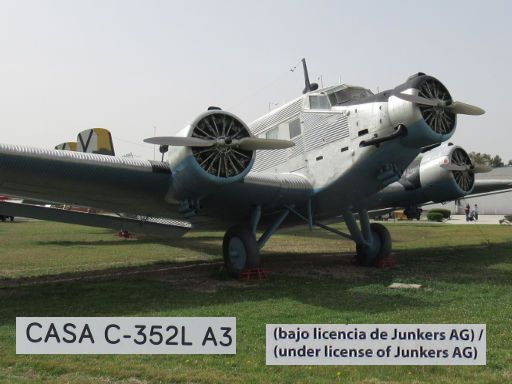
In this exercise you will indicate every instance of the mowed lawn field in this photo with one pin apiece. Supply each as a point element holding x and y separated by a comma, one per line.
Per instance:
<point>49,269</point>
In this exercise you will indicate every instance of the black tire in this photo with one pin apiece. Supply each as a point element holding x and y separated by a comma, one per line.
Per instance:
<point>240,250</point>
<point>369,256</point>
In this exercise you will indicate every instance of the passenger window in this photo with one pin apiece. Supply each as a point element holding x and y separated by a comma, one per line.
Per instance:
<point>294,127</point>
<point>272,133</point>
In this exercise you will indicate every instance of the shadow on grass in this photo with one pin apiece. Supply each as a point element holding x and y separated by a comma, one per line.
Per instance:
<point>317,279</point>
<point>151,297</point>
<point>453,263</point>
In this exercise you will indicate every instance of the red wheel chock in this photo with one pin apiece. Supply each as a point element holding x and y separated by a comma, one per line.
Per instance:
<point>254,274</point>
<point>386,262</point>
<point>124,234</point>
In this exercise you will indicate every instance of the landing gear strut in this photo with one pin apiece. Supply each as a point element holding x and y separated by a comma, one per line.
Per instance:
<point>242,251</point>
<point>240,248</point>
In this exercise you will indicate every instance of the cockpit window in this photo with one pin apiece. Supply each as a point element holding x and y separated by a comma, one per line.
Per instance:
<point>319,102</point>
<point>348,94</point>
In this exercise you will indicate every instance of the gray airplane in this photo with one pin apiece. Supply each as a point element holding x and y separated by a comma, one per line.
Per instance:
<point>337,151</point>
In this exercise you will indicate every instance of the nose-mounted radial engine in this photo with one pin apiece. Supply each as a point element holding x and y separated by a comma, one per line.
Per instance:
<point>426,107</point>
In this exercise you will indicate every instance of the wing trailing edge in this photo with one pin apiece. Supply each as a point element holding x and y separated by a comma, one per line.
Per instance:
<point>163,228</point>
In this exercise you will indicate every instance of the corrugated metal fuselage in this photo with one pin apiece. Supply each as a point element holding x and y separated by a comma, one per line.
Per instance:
<point>327,151</point>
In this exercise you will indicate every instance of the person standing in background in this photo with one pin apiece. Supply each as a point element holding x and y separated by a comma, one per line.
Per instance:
<point>466,211</point>
<point>476,212</point>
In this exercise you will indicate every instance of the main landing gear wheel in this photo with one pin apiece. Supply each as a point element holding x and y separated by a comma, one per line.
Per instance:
<point>380,247</point>
<point>240,249</point>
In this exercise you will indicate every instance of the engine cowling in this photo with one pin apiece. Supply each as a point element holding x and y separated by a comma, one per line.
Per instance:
<point>198,169</point>
<point>221,160</point>
<point>445,173</point>
<point>426,125</point>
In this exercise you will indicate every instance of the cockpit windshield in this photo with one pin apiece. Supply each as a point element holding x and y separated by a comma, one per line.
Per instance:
<point>342,96</point>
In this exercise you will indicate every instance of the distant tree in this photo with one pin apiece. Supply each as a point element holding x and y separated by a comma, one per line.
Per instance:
<point>510,163</point>
<point>496,162</point>
<point>486,159</point>
<point>480,158</point>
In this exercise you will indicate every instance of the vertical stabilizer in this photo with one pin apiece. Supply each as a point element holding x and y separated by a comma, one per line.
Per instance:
<point>96,140</point>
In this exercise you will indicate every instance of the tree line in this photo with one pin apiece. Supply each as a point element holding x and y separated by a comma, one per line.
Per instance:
<point>487,159</point>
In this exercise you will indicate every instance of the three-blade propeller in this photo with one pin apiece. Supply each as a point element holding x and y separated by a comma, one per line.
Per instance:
<point>457,107</point>
<point>245,143</point>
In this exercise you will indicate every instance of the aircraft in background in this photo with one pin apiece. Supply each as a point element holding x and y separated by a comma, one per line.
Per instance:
<point>340,150</point>
<point>94,140</point>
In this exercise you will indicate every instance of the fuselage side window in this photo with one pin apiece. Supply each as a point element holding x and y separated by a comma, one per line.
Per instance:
<point>319,102</point>
<point>294,127</point>
<point>272,133</point>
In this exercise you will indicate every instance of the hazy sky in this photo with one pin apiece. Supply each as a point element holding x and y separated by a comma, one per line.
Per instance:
<point>128,66</point>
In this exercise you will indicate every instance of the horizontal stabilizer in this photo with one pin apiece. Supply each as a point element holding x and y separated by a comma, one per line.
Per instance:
<point>147,227</point>
<point>69,146</point>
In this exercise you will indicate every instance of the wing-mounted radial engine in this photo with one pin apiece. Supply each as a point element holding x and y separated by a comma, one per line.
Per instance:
<point>216,148</point>
<point>424,105</point>
<point>442,174</point>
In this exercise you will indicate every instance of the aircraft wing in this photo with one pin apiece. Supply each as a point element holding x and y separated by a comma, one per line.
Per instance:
<point>136,187</point>
<point>491,186</point>
<point>104,182</point>
<point>147,226</point>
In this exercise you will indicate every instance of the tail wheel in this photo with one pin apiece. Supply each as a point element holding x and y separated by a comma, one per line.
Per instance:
<point>240,250</point>
<point>380,247</point>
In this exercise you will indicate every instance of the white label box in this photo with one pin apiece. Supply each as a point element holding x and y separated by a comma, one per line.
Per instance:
<point>126,335</point>
<point>376,344</point>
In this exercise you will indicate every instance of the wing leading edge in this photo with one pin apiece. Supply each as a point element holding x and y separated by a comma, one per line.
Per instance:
<point>138,187</point>
<point>105,182</point>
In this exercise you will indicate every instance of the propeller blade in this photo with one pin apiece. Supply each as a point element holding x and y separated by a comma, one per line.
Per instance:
<point>481,168</point>
<point>457,107</point>
<point>246,143</point>
<point>175,141</point>
<point>417,99</point>
<point>477,168</point>
<point>254,143</point>
<point>465,109</point>
<point>455,167</point>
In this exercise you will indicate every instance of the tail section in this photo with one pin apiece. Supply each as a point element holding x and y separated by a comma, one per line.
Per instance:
<point>69,146</point>
<point>95,140</point>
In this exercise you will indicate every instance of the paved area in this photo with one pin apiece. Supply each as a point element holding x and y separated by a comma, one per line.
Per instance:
<point>482,219</point>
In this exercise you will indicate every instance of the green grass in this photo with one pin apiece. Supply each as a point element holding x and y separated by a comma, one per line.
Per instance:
<point>465,272</point>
